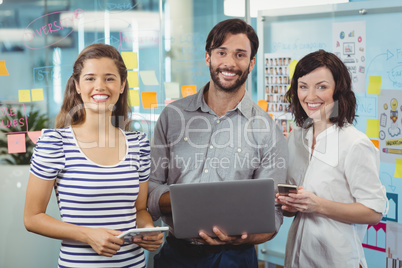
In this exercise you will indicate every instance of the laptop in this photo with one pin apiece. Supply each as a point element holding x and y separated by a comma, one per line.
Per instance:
<point>233,206</point>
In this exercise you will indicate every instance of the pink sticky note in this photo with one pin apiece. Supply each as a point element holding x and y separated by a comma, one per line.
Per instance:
<point>16,143</point>
<point>34,136</point>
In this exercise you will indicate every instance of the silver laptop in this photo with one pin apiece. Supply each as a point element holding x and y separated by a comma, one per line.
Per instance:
<point>233,206</point>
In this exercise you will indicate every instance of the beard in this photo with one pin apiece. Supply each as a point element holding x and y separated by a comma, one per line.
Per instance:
<point>231,87</point>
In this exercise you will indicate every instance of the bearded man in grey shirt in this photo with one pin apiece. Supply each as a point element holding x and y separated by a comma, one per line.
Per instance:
<point>216,134</point>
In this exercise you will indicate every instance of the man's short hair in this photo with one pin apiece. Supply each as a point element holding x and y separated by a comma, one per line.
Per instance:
<point>234,26</point>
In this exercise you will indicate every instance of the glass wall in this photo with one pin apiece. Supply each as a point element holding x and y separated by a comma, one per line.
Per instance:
<point>39,42</point>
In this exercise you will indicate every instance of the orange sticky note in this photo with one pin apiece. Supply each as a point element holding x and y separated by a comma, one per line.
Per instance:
<point>24,95</point>
<point>263,104</point>
<point>149,100</point>
<point>133,97</point>
<point>16,143</point>
<point>130,59</point>
<point>132,79</point>
<point>376,143</point>
<point>34,136</point>
<point>3,69</point>
<point>37,94</point>
<point>188,90</point>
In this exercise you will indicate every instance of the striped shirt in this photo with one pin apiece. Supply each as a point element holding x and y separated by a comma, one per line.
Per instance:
<point>93,195</point>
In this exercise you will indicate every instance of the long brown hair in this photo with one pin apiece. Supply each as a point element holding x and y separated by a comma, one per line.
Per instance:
<point>344,110</point>
<point>72,111</point>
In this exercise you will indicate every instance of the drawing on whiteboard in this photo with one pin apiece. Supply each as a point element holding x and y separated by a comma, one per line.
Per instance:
<point>394,130</point>
<point>390,134</point>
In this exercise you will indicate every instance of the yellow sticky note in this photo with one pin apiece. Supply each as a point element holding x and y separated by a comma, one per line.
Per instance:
<point>172,90</point>
<point>3,69</point>
<point>374,86</point>
<point>24,95</point>
<point>37,94</point>
<point>292,67</point>
<point>130,59</point>
<point>263,104</point>
<point>398,168</point>
<point>132,79</point>
<point>149,100</point>
<point>149,78</point>
<point>133,98</point>
<point>373,128</point>
<point>188,90</point>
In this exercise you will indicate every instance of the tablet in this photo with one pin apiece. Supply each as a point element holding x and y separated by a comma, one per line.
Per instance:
<point>236,207</point>
<point>143,231</point>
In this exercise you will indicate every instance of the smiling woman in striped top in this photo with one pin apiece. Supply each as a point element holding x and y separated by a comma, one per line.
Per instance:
<point>98,169</point>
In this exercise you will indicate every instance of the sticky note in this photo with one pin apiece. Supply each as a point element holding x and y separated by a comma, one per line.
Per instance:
<point>168,101</point>
<point>374,86</point>
<point>149,100</point>
<point>130,59</point>
<point>133,97</point>
<point>172,90</point>
<point>24,95</point>
<point>373,128</point>
<point>292,67</point>
<point>37,94</point>
<point>398,168</point>
<point>149,78</point>
<point>188,90</point>
<point>376,143</point>
<point>16,143</point>
<point>132,79</point>
<point>34,136</point>
<point>263,104</point>
<point>3,69</point>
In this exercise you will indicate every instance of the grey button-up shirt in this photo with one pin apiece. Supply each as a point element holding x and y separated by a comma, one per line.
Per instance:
<point>192,144</point>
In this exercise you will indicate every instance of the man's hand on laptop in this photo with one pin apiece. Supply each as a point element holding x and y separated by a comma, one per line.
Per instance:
<point>222,238</point>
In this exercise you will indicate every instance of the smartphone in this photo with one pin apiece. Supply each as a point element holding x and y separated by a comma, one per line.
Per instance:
<point>285,189</point>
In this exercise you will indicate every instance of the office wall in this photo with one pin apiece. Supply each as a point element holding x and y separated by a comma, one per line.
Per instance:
<point>364,35</point>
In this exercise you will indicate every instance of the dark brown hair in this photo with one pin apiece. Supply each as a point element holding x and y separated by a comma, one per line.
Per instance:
<point>72,111</point>
<point>344,110</point>
<point>234,26</point>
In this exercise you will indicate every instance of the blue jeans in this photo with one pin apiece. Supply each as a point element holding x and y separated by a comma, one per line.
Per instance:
<point>171,256</point>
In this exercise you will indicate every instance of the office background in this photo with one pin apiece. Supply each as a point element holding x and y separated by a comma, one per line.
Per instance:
<point>164,42</point>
